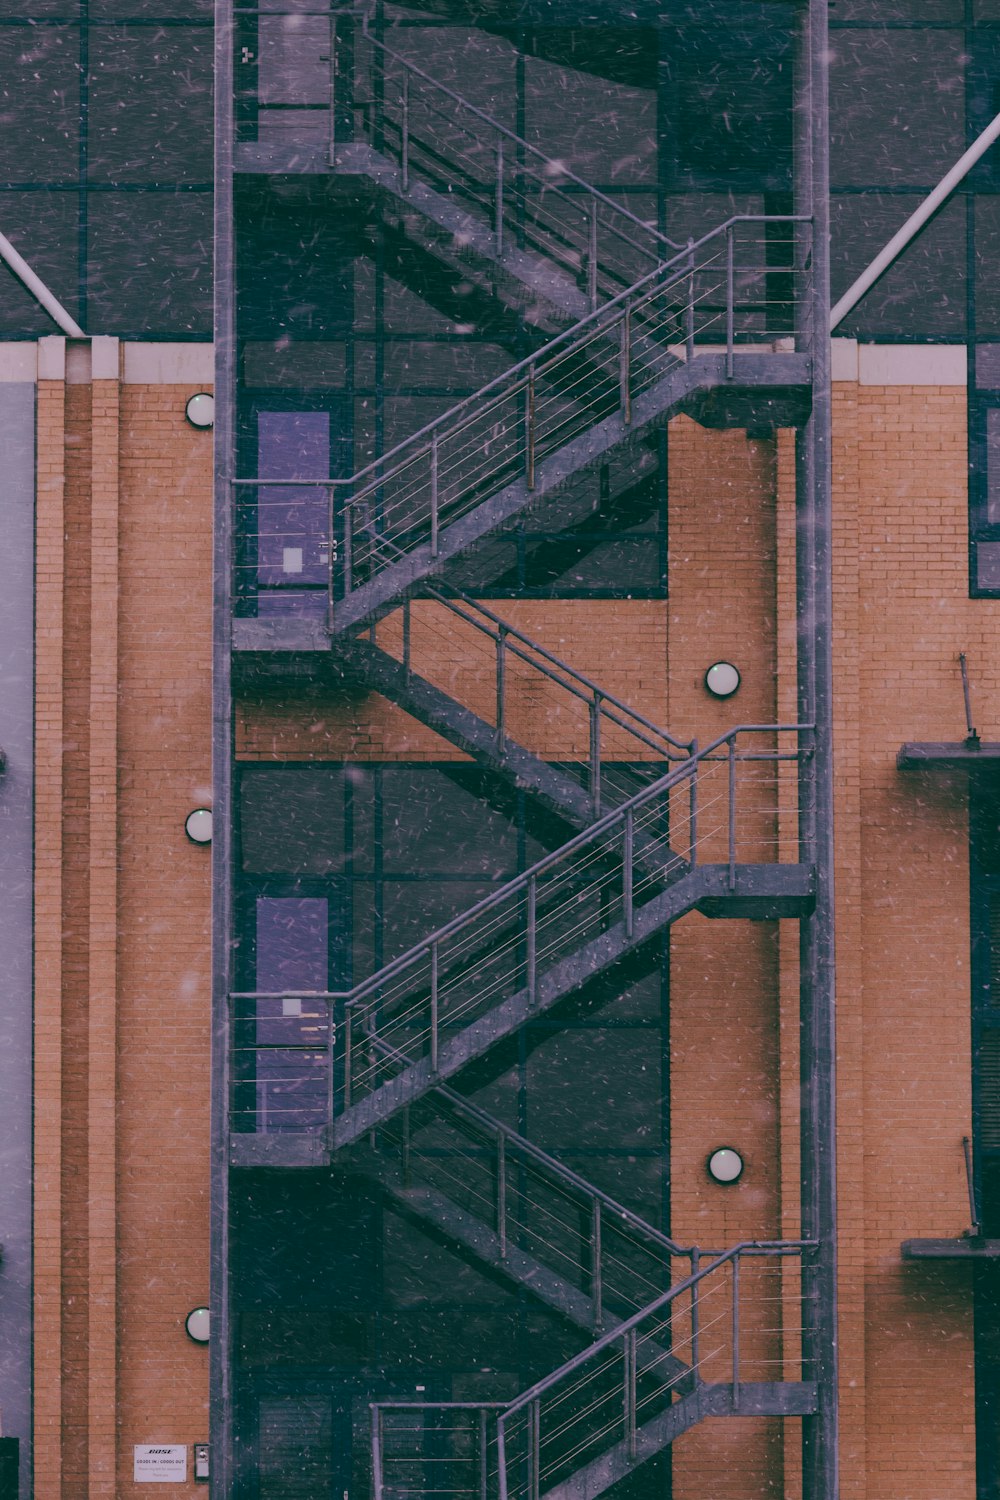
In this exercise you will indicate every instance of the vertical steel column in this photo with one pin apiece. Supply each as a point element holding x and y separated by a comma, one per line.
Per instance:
<point>220,1354</point>
<point>814,603</point>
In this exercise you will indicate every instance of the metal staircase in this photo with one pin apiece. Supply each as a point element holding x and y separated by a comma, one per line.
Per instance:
<point>605,1412</point>
<point>626,329</point>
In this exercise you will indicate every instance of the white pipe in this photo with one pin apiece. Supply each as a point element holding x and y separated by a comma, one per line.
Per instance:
<point>915,222</point>
<point>37,287</point>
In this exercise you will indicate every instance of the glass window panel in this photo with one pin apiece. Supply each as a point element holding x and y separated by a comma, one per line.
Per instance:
<point>44,227</point>
<point>40,100</point>
<point>988,565</point>
<point>413,909</point>
<point>986,10</point>
<point>158,9</point>
<point>434,825</point>
<point>923,293</point>
<point>626,566</point>
<point>150,106</point>
<point>896,107</point>
<point>292,820</point>
<point>458,367</point>
<point>987,212</point>
<point>293,525</point>
<point>558,98</point>
<point>480,67</point>
<point>988,367</point>
<point>897,10</point>
<point>993,465</point>
<point>584,1089</point>
<point>150,263</point>
<point>312,366</point>
<point>637,1183</point>
<point>292,1035</point>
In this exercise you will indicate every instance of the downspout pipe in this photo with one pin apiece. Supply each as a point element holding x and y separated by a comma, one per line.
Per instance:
<point>915,222</point>
<point>39,290</point>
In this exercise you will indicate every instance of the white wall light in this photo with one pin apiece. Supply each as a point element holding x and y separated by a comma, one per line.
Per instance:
<point>722,679</point>
<point>725,1165</point>
<point>200,410</point>
<point>198,825</point>
<point>197,1324</point>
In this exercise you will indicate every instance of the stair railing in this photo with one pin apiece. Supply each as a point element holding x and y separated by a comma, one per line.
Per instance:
<point>525,198</point>
<point>598,729</point>
<point>721,806</point>
<point>722,292</point>
<point>727,1321</point>
<point>534,1204</point>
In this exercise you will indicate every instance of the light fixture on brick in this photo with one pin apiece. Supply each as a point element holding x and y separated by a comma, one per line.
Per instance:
<point>725,1165</point>
<point>198,825</point>
<point>200,410</point>
<point>722,679</point>
<point>197,1324</point>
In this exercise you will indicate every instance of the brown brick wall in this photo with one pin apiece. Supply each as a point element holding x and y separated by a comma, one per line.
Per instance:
<point>122,922</point>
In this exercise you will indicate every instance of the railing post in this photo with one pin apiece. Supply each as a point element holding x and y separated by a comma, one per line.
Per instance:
<point>529,424</point>
<point>730,302</point>
<point>502,1458</point>
<point>406,637</point>
<point>434,494</point>
<point>732,813</point>
<point>501,714</point>
<point>629,1392</point>
<point>689,313</point>
<point>483,1456</point>
<point>502,1193</point>
<point>595,754</point>
<point>348,1052</point>
<point>596,1281</point>
<point>331,1032</point>
<point>736,1332</point>
<point>696,1376</point>
<point>592,257</point>
<point>377,1452</point>
<point>693,815</point>
<point>531,941</point>
<point>627,872</point>
<point>434,1007</point>
<point>536,1448</point>
<point>348,549</point>
<point>498,196</point>
<point>404,108</point>
<point>625,365</point>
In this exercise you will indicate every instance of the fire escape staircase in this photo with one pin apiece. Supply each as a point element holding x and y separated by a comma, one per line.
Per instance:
<point>637,331</point>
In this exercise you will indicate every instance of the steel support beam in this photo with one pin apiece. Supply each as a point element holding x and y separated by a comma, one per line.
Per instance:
<point>220,1351</point>
<point>814,638</point>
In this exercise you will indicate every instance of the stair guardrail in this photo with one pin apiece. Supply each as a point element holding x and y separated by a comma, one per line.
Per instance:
<point>612,748</point>
<point>526,198</point>
<point>732,290</point>
<point>721,806</point>
<point>533,1204</point>
<point>731,1321</point>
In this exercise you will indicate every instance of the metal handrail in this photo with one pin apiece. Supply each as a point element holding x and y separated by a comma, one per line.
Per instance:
<point>573,337</point>
<point>613,819</point>
<point>490,1455</point>
<point>555,168</point>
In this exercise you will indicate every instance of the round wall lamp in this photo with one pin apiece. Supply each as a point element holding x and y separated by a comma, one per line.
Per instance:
<point>197,1324</point>
<point>722,679</point>
<point>200,410</point>
<point>725,1165</point>
<point>198,825</point>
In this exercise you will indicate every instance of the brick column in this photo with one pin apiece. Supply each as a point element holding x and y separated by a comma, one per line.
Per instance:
<point>102,923</point>
<point>48,894</point>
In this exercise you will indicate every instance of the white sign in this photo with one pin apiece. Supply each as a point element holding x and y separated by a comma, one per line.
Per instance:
<point>160,1464</point>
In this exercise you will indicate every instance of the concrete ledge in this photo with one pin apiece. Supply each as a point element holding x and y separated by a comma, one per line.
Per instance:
<point>912,364</point>
<point>169,364</point>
